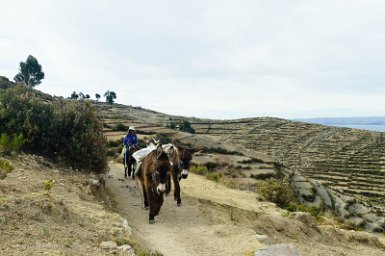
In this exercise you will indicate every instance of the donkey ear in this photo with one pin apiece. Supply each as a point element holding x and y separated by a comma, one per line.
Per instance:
<point>171,151</point>
<point>159,151</point>
<point>179,147</point>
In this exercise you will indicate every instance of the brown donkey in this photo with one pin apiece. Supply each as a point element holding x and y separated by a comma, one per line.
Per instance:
<point>153,176</point>
<point>180,158</point>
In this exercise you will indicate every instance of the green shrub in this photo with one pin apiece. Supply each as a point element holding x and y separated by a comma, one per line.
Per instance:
<point>214,176</point>
<point>251,160</point>
<point>199,169</point>
<point>211,165</point>
<point>5,168</point>
<point>9,144</point>
<point>218,150</point>
<point>294,207</point>
<point>120,127</point>
<point>115,143</point>
<point>262,176</point>
<point>235,173</point>
<point>61,130</point>
<point>277,191</point>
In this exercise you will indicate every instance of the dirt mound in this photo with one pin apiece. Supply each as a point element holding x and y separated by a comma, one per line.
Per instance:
<point>56,221</point>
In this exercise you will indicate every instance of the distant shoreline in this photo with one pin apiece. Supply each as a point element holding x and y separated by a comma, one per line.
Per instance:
<point>369,127</point>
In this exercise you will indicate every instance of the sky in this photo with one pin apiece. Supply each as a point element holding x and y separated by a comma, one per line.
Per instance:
<point>213,59</point>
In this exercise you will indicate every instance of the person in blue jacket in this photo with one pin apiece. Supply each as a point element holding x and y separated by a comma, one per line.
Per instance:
<point>131,139</point>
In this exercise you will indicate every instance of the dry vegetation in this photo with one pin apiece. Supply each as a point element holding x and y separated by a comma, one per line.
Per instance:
<point>49,210</point>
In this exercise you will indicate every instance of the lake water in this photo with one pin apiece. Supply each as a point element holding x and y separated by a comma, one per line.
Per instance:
<point>377,128</point>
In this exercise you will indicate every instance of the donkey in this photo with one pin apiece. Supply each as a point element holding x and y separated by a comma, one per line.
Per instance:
<point>153,175</point>
<point>129,162</point>
<point>180,158</point>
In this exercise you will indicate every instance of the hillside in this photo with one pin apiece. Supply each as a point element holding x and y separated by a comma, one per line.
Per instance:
<point>70,218</point>
<point>348,163</point>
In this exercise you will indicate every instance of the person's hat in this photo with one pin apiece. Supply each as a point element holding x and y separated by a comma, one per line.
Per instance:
<point>131,128</point>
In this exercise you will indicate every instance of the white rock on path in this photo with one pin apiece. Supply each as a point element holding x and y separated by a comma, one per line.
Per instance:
<point>277,250</point>
<point>110,245</point>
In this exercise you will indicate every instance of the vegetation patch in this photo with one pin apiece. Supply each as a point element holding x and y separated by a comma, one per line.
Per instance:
<point>218,150</point>
<point>5,168</point>
<point>214,176</point>
<point>69,132</point>
<point>294,207</point>
<point>277,191</point>
<point>251,161</point>
<point>12,143</point>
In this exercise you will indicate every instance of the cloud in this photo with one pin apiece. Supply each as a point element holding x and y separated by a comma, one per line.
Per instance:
<point>218,59</point>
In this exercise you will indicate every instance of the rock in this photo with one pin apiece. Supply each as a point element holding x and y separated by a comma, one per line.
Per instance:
<point>323,193</point>
<point>127,249</point>
<point>277,250</point>
<point>261,238</point>
<point>93,182</point>
<point>126,227</point>
<point>357,221</point>
<point>374,227</point>
<point>110,245</point>
<point>305,218</point>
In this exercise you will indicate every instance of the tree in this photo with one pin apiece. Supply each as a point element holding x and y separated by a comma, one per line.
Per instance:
<point>87,96</point>
<point>30,72</point>
<point>74,96</point>
<point>97,96</point>
<point>81,95</point>
<point>110,96</point>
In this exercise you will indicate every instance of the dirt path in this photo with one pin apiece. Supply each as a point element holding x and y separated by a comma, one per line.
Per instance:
<point>216,220</point>
<point>196,228</point>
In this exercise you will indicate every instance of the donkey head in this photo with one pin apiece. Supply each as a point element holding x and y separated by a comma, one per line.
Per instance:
<point>185,157</point>
<point>162,167</point>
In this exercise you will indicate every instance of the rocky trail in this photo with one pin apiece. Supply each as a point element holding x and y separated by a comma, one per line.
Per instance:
<point>216,220</point>
<point>196,228</point>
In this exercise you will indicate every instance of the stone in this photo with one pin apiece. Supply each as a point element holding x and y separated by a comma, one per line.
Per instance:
<point>278,250</point>
<point>110,245</point>
<point>263,239</point>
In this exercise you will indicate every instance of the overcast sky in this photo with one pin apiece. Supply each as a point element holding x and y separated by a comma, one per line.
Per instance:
<point>216,59</point>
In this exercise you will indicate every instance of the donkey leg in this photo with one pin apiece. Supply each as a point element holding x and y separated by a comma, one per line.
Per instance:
<point>176,190</point>
<point>159,203</point>
<point>151,200</point>
<point>132,164</point>
<point>145,197</point>
<point>125,166</point>
<point>168,185</point>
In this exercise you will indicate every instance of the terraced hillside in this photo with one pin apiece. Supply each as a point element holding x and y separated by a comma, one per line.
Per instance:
<point>345,160</point>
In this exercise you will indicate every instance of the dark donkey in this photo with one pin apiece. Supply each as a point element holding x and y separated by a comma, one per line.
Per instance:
<point>153,176</point>
<point>180,158</point>
<point>128,162</point>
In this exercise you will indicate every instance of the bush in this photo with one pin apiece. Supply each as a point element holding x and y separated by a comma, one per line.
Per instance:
<point>223,151</point>
<point>294,207</point>
<point>251,160</point>
<point>9,144</point>
<point>5,168</point>
<point>276,191</point>
<point>199,169</point>
<point>60,130</point>
<point>120,127</point>
<point>211,165</point>
<point>214,176</point>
